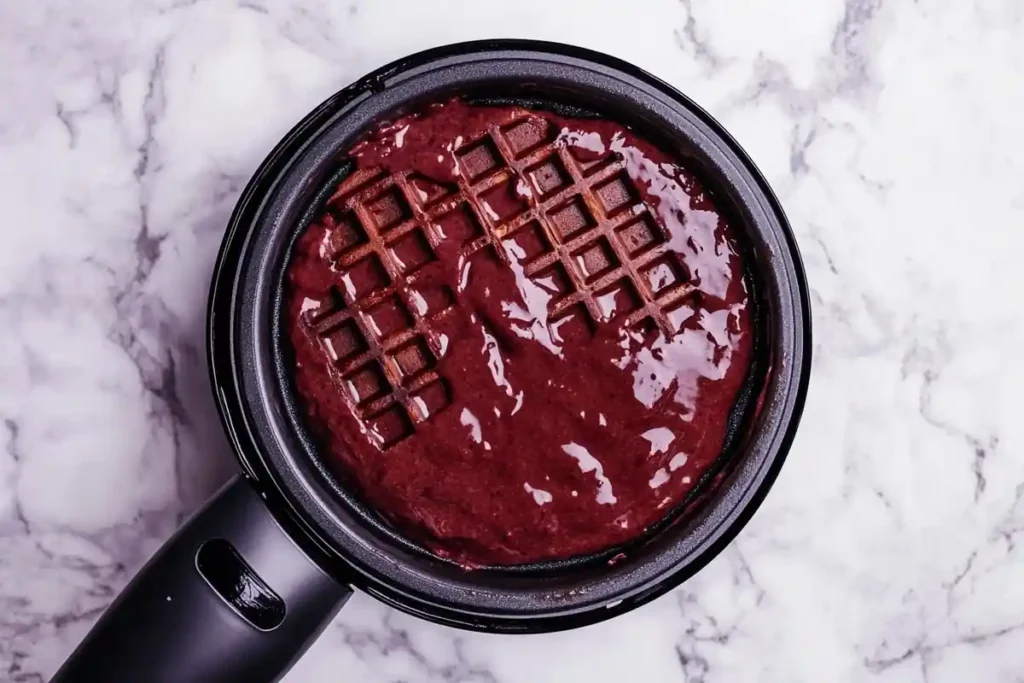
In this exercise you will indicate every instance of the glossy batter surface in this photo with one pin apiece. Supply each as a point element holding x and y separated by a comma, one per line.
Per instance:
<point>519,336</point>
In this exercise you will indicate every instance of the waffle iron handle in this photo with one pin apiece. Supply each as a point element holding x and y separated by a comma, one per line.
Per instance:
<point>230,597</point>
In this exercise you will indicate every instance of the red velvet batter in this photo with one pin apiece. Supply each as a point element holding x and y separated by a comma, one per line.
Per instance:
<point>546,438</point>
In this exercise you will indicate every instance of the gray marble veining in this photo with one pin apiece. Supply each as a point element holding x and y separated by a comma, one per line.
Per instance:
<point>889,549</point>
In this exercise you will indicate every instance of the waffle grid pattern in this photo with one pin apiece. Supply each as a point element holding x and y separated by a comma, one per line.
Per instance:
<point>587,240</point>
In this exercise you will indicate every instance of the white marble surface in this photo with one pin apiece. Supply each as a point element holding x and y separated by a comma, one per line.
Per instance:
<point>891,548</point>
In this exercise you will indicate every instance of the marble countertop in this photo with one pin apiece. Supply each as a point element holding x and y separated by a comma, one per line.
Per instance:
<point>892,546</point>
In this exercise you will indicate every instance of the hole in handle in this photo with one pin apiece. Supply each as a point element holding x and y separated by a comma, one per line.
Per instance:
<point>239,585</point>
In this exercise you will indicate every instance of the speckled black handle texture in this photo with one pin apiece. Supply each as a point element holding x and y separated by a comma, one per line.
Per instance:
<point>230,597</point>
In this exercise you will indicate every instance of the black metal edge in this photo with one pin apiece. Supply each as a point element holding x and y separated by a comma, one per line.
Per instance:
<point>242,438</point>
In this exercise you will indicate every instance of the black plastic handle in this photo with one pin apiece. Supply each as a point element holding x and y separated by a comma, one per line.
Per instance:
<point>230,597</point>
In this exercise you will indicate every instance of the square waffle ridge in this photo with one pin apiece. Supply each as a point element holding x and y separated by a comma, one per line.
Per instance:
<point>585,237</point>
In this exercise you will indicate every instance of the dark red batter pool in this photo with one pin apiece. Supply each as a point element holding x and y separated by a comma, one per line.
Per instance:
<point>518,336</point>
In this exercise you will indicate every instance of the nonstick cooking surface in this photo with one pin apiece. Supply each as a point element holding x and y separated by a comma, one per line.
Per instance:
<point>521,336</point>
